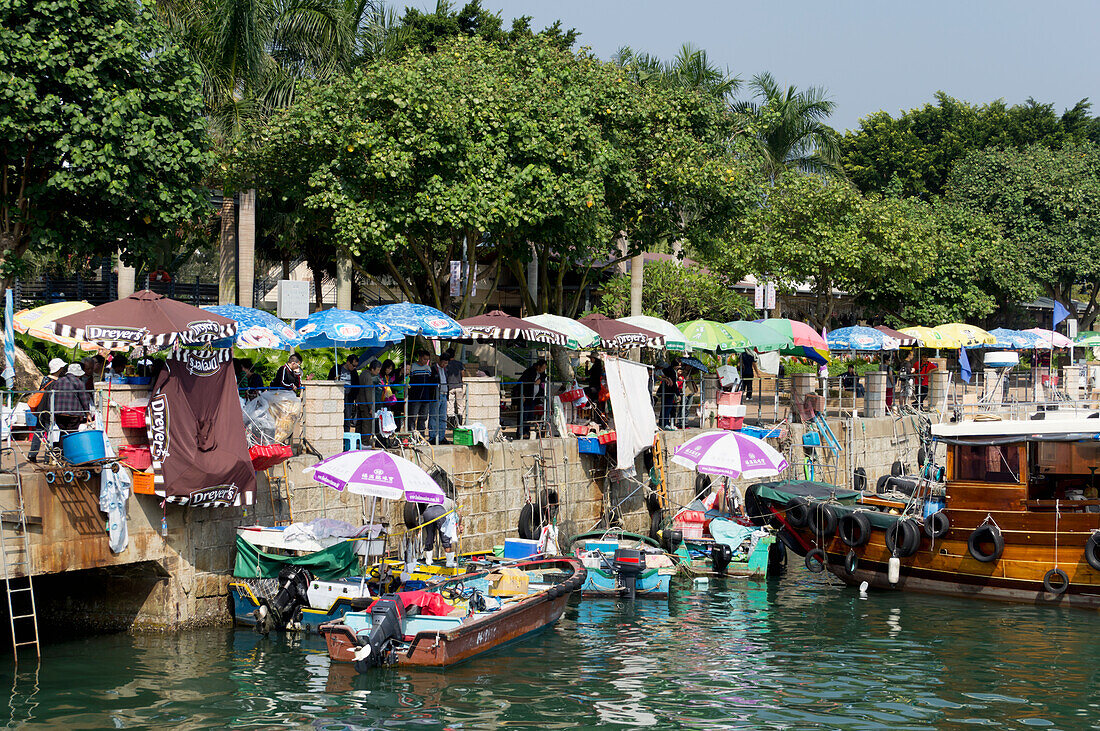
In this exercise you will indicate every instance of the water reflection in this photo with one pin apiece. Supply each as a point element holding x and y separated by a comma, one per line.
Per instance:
<point>798,653</point>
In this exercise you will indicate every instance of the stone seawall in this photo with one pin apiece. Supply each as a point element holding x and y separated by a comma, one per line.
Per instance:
<point>180,580</point>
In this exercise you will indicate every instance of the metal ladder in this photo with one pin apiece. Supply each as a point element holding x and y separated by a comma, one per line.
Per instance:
<point>15,560</point>
<point>278,490</point>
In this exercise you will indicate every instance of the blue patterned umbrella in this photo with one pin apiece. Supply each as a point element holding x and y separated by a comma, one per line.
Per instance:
<point>1014,339</point>
<point>334,328</point>
<point>860,338</point>
<point>410,319</point>
<point>257,329</point>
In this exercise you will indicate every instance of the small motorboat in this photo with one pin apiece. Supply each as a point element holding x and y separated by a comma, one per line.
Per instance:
<point>623,565</point>
<point>710,543</point>
<point>455,620</point>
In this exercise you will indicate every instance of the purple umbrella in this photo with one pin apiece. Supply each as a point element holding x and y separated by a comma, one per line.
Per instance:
<point>730,454</point>
<point>378,474</point>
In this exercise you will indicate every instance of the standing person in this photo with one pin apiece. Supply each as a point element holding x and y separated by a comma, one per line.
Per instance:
<point>40,406</point>
<point>850,381</point>
<point>390,400</point>
<point>924,367</point>
<point>289,376</point>
<point>371,400</point>
<point>668,390</point>
<point>249,382</point>
<point>530,385</point>
<point>437,422</point>
<point>456,390</point>
<point>423,391</point>
<point>748,373</point>
<point>69,399</point>
<point>348,374</point>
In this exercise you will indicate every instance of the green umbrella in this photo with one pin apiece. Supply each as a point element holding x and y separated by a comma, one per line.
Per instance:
<point>762,337</point>
<point>674,339</point>
<point>1087,339</point>
<point>712,336</point>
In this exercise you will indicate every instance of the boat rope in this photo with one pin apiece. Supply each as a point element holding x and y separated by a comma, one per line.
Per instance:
<point>1057,515</point>
<point>409,530</point>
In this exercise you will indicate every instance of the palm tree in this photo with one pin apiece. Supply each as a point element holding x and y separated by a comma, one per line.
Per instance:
<point>253,53</point>
<point>787,128</point>
<point>690,69</point>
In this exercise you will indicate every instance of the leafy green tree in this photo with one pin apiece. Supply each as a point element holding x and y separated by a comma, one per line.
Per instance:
<point>506,152</point>
<point>102,139</point>
<point>426,32</point>
<point>678,293</point>
<point>1048,203</point>
<point>690,69</point>
<point>787,128</point>
<point>973,273</point>
<point>825,234</point>
<point>913,153</point>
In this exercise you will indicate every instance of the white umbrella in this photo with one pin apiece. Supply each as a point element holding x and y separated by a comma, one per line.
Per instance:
<point>674,339</point>
<point>731,454</point>
<point>581,337</point>
<point>378,474</point>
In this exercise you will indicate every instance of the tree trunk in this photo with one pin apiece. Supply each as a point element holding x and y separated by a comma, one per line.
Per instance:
<point>637,265</point>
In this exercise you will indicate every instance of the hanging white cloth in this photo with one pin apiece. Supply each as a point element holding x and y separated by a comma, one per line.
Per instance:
<point>635,422</point>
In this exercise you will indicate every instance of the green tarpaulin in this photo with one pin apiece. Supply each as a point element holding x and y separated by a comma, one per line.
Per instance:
<point>334,562</point>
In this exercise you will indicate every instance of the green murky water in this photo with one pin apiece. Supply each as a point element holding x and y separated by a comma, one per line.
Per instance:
<point>801,652</point>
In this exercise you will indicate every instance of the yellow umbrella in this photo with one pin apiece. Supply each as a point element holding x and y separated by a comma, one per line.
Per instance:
<point>35,322</point>
<point>926,337</point>
<point>961,335</point>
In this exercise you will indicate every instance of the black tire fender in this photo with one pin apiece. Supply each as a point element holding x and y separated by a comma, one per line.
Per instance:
<point>798,512</point>
<point>1092,551</point>
<point>822,520</point>
<point>527,522</point>
<point>815,561</point>
<point>937,524</point>
<point>854,529</point>
<point>1059,588</point>
<point>851,561</point>
<point>987,533</point>
<point>903,539</point>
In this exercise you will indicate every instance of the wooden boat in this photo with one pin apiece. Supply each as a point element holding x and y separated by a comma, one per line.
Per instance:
<point>692,540</point>
<point>488,609</point>
<point>623,565</point>
<point>1016,519</point>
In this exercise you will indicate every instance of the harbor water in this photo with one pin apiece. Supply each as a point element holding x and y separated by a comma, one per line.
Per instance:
<point>799,652</point>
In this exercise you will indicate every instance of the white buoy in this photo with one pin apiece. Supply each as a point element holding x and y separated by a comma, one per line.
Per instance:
<point>893,569</point>
<point>863,588</point>
<point>701,582</point>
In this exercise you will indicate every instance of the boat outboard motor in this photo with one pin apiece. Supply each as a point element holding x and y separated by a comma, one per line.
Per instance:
<point>386,616</point>
<point>720,557</point>
<point>629,563</point>
<point>672,539</point>
<point>280,610</point>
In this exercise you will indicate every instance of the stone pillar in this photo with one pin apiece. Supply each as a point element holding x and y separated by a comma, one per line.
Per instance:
<point>343,282</point>
<point>937,384</point>
<point>126,275</point>
<point>483,402</point>
<point>227,254</point>
<point>246,248</point>
<point>1072,381</point>
<point>874,396</point>
<point>323,413</point>
<point>992,387</point>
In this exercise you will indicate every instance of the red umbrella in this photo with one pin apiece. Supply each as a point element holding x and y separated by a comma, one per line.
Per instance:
<point>618,334</point>
<point>145,319</point>
<point>498,325</point>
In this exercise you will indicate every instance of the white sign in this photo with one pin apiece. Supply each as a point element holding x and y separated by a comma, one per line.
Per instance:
<point>1071,327</point>
<point>292,299</point>
<point>758,297</point>
<point>456,278</point>
<point>472,274</point>
<point>769,296</point>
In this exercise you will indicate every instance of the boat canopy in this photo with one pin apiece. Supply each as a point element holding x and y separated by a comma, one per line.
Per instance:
<point>1007,432</point>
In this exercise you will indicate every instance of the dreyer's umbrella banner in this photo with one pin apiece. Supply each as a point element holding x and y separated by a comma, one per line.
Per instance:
<point>196,432</point>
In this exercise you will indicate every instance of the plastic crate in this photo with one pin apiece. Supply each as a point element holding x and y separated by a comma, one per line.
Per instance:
<point>730,423</point>
<point>464,437</point>
<point>132,417</point>
<point>135,457</point>
<point>607,437</point>
<point>761,433</point>
<point>143,483</point>
<point>590,445</point>
<point>580,430</point>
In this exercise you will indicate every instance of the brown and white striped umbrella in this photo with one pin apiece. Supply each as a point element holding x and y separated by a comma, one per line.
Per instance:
<point>904,341</point>
<point>616,334</point>
<point>145,319</point>
<point>498,325</point>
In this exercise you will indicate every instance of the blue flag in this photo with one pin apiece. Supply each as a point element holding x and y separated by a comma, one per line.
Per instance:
<point>1060,313</point>
<point>964,365</point>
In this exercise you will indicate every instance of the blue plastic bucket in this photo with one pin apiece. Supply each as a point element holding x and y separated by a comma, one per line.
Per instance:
<point>83,446</point>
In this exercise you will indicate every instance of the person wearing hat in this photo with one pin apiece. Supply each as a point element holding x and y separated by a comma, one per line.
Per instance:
<point>69,399</point>
<point>40,406</point>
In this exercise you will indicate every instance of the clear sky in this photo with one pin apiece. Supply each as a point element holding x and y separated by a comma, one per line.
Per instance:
<point>869,54</point>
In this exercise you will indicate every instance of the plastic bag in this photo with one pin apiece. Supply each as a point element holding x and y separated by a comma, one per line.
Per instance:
<point>274,414</point>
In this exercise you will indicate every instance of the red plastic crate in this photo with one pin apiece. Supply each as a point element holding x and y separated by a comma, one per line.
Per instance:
<point>268,455</point>
<point>132,417</point>
<point>730,423</point>
<point>136,458</point>
<point>607,438</point>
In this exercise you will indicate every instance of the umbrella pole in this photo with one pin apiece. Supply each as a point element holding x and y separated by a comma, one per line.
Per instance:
<point>370,525</point>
